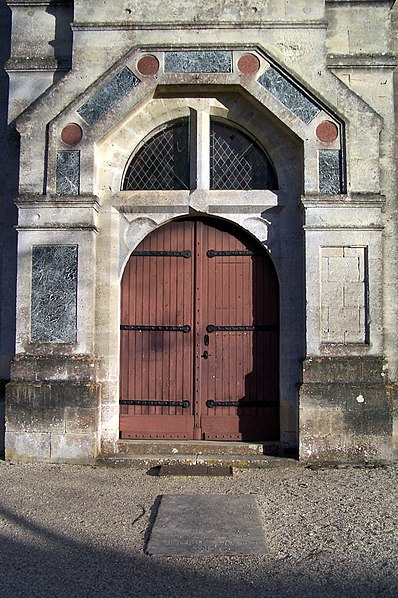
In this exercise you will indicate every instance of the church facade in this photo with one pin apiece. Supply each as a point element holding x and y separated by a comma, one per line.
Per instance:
<point>207,227</point>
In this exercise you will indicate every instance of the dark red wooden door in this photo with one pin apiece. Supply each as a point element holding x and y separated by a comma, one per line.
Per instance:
<point>199,336</point>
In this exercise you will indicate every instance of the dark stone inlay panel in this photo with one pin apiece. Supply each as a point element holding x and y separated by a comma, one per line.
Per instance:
<point>54,294</point>
<point>289,95</point>
<point>329,172</point>
<point>207,61</point>
<point>68,173</point>
<point>109,95</point>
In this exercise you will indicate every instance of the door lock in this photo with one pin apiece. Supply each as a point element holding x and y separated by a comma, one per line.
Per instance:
<point>205,355</point>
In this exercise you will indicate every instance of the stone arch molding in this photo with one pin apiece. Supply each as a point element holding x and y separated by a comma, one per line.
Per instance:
<point>103,113</point>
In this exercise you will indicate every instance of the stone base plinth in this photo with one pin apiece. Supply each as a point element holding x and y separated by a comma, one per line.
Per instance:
<point>345,411</point>
<point>54,418</point>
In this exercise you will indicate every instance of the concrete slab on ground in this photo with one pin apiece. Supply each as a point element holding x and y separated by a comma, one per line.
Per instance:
<point>207,525</point>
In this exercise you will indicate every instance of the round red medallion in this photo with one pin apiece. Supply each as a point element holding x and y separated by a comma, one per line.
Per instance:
<point>71,134</point>
<point>248,64</point>
<point>327,131</point>
<point>148,65</point>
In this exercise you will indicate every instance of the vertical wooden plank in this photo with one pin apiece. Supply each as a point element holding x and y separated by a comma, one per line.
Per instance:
<point>156,288</point>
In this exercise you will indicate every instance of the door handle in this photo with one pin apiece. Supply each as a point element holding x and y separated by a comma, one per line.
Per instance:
<point>205,355</point>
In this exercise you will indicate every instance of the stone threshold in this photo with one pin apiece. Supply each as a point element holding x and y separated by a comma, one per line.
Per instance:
<point>150,454</point>
<point>197,447</point>
<point>235,461</point>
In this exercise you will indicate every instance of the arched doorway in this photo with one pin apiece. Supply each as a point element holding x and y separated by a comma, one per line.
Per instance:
<point>199,336</point>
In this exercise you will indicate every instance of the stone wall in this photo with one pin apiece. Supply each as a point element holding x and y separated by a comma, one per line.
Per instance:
<point>319,100</point>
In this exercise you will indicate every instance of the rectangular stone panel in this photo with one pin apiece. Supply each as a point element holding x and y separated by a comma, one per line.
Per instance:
<point>329,172</point>
<point>54,294</point>
<point>206,525</point>
<point>205,61</point>
<point>284,91</point>
<point>68,173</point>
<point>344,295</point>
<point>107,96</point>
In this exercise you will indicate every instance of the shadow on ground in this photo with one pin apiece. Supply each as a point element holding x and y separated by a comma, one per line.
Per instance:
<point>39,562</point>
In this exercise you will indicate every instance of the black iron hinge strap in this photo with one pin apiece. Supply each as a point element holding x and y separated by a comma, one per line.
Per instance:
<point>184,404</point>
<point>234,252</point>
<point>143,328</point>
<point>240,404</point>
<point>186,254</point>
<point>259,327</point>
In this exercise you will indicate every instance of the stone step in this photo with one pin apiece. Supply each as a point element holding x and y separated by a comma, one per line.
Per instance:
<point>195,447</point>
<point>152,453</point>
<point>152,461</point>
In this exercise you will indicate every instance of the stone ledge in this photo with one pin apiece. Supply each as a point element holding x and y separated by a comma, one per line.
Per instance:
<point>350,369</point>
<point>358,61</point>
<point>44,368</point>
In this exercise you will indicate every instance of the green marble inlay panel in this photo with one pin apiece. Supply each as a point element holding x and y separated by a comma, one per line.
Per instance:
<point>206,61</point>
<point>54,294</point>
<point>329,172</point>
<point>289,95</point>
<point>109,95</point>
<point>68,173</point>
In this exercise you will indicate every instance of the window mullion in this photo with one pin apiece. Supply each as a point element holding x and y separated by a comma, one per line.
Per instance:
<point>201,123</point>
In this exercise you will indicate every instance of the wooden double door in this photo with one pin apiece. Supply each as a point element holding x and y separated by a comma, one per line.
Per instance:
<point>199,336</point>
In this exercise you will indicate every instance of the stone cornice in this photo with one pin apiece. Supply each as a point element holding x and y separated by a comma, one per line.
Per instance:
<point>57,201</point>
<point>360,61</point>
<point>40,3</point>
<point>354,200</point>
<point>158,25</point>
<point>36,63</point>
<point>366,2</point>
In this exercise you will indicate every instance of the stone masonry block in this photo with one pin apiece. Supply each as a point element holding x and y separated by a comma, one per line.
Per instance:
<point>353,369</point>
<point>81,419</point>
<point>74,448</point>
<point>27,447</point>
<point>33,408</point>
<point>81,368</point>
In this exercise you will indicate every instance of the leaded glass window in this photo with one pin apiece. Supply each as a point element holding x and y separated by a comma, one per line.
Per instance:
<point>237,162</point>
<point>162,163</point>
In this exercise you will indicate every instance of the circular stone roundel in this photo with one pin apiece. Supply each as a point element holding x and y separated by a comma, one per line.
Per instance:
<point>148,65</point>
<point>248,64</point>
<point>327,131</point>
<point>71,134</point>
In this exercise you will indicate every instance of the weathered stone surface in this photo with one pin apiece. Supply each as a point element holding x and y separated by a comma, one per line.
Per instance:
<point>58,419</point>
<point>207,525</point>
<point>28,447</point>
<point>41,406</point>
<point>73,448</point>
<point>345,410</point>
<point>73,368</point>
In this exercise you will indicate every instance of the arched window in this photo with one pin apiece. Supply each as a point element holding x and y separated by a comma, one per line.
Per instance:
<point>237,162</point>
<point>162,163</point>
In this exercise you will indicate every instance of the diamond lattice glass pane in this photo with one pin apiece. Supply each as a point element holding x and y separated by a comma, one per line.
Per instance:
<point>237,162</point>
<point>162,163</point>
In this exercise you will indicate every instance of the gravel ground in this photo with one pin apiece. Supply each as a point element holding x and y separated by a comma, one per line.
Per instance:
<point>81,531</point>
